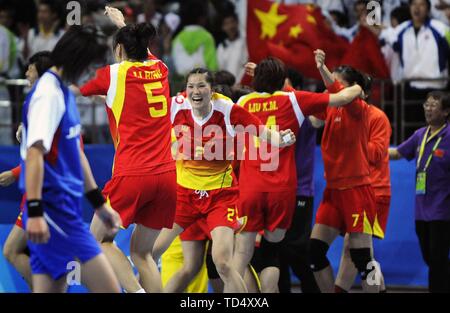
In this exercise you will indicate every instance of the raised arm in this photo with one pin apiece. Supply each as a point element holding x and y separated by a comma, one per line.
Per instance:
<point>345,96</point>
<point>115,16</point>
<point>325,73</point>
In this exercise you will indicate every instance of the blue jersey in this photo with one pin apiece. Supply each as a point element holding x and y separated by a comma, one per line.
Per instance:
<point>50,115</point>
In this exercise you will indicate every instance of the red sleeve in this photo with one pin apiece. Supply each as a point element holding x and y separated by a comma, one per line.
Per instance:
<point>98,85</point>
<point>355,107</point>
<point>379,136</point>
<point>241,117</point>
<point>288,88</point>
<point>16,171</point>
<point>312,103</point>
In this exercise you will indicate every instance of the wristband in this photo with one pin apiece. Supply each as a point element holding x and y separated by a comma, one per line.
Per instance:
<point>286,138</point>
<point>35,208</point>
<point>95,197</point>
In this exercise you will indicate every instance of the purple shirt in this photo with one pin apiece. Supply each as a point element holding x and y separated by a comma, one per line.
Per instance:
<point>435,203</point>
<point>304,158</point>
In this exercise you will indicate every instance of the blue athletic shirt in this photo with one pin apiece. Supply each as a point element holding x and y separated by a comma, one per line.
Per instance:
<point>50,115</point>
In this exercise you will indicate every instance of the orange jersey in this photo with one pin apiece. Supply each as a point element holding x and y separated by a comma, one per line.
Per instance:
<point>379,136</point>
<point>345,143</point>
<point>137,103</point>
<point>273,169</point>
<point>206,148</point>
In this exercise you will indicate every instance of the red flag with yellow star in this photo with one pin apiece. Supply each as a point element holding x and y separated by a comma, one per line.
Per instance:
<point>291,33</point>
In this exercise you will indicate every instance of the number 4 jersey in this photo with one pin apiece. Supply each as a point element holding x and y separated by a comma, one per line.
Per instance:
<point>137,99</point>
<point>273,170</point>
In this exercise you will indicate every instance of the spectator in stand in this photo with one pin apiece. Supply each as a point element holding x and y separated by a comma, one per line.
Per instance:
<point>422,44</point>
<point>194,46</point>
<point>232,53</point>
<point>48,31</point>
<point>398,16</point>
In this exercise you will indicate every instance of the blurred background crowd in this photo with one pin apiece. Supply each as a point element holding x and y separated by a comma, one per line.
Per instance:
<point>404,46</point>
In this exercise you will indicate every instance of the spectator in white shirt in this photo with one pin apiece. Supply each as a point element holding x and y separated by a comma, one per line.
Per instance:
<point>232,53</point>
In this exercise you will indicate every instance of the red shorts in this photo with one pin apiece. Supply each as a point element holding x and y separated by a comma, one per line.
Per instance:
<point>148,200</point>
<point>198,231</point>
<point>22,206</point>
<point>350,210</point>
<point>267,210</point>
<point>217,207</point>
<point>382,204</point>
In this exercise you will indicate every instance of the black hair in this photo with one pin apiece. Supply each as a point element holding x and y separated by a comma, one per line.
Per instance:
<point>135,39</point>
<point>427,2</point>
<point>224,77</point>
<point>55,6</point>
<point>295,77</point>
<point>341,18</point>
<point>443,97</point>
<point>208,75</point>
<point>367,88</point>
<point>223,89</point>
<point>401,14</point>
<point>239,91</point>
<point>77,49</point>
<point>192,12</point>
<point>270,75</point>
<point>42,61</point>
<point>351,76</point>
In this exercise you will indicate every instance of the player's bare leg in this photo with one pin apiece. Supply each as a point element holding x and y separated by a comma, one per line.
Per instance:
<point>164,240</point>
<point>321,238</point>
<point>222,253</point>
<point>361,255</point>
<point>269,278</point>
<point>193,256</point>
<point>43,283</point>
<point>347,270</point>
<point>119,262</point>
<point>141,249</point>
<point>251,280</point>
<point>244,246</point>
<point>13,250</point>
<point>275,236</point>
<point>98,275</point>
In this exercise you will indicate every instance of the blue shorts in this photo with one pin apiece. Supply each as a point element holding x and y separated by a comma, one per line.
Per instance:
<point>70,238</point>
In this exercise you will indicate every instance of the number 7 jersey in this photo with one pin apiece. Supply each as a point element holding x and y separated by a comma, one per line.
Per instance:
<point>137,100</point>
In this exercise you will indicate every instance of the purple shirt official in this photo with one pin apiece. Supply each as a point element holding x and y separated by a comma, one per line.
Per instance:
<point>435,203</point>
<point>304,157</point>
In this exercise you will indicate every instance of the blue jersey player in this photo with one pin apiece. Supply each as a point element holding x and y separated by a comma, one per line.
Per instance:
<point>56,175</point>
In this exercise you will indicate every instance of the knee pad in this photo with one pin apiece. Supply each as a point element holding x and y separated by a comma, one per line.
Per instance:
<point>361,258</point>
<point>318,254</point>
<point>211,267</point>
<point>270,253</point>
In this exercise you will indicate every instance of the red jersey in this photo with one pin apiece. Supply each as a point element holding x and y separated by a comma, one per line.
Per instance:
<point>345,143</point>
<point>138,106</point>
<point>206,148</point>
<point>379,136</point>
<point>273,169</point>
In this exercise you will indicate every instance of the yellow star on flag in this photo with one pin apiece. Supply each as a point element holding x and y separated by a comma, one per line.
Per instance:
<point>295,31</point>
<point>270,21</point>
<point>311,19</point>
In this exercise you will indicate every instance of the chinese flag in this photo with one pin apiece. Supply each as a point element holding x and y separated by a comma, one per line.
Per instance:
<point>292,33</point>
<point>365,54</point>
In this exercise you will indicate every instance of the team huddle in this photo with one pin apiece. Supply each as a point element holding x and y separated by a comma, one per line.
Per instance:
<point>196,165</point>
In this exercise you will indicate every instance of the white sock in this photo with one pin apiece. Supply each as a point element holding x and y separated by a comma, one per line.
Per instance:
<point>140,291</point>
